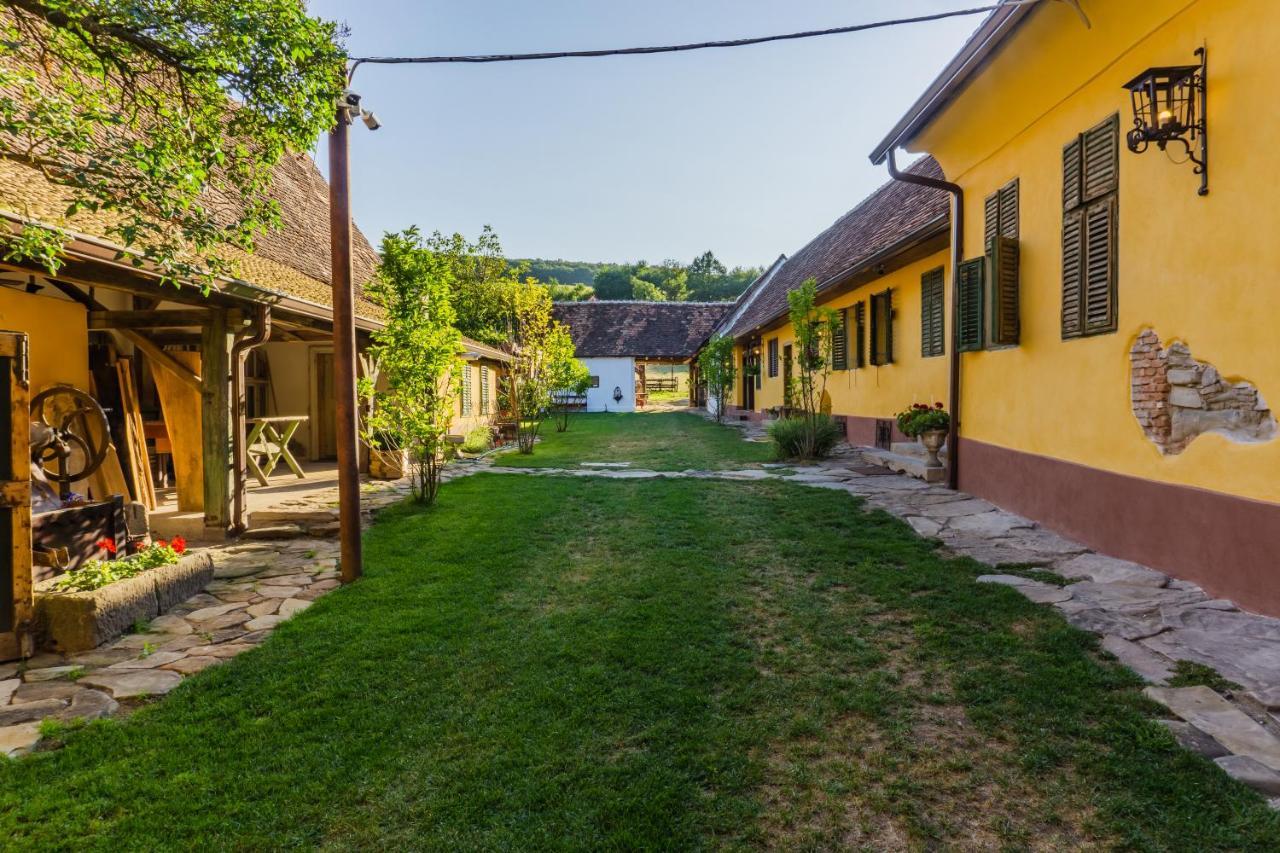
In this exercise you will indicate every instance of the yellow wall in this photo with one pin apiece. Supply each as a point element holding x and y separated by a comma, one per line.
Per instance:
<point>59,337</point>
<point>876,391</point>
<point>1197,269</point>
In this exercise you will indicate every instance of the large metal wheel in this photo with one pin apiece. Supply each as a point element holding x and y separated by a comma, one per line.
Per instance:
<point>74,432</point>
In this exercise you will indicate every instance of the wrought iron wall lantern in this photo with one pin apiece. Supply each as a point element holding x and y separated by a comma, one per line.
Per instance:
<point>1169,106</point>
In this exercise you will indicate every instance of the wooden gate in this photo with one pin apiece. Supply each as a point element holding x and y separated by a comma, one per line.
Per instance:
<point>15,500</point>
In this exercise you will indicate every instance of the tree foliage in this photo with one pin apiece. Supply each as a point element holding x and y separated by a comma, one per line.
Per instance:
<point>164,118</point>
<point>569,378</point>
<point>542,350</point>
<point>704,280</point>
<point>814,328</point>
<point>717,370</point>
<point>411,406</point>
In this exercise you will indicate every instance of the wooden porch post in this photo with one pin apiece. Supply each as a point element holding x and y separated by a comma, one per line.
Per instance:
<point>215,422</point>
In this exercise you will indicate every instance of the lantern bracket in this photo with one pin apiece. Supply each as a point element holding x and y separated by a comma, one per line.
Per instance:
<point>1169,106</point>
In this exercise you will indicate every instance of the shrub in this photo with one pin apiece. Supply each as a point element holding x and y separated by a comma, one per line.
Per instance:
<point>792,436</point>
<point>477,441</point>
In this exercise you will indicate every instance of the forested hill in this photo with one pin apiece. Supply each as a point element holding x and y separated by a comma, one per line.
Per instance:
<point>705,279</point>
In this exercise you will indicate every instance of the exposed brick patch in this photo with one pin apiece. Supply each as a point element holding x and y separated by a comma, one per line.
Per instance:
<point>1177,398</point>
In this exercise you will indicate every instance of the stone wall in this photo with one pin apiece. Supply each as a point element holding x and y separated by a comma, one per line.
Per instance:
<point>1177,398</point>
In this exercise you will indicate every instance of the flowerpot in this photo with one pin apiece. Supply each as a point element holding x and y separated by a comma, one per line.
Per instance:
<point>387,464</point>
<point>932,441</point>
<point>79,621</point>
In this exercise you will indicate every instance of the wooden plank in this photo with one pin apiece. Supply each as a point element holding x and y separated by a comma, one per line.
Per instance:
<point>181,406</point>
<point>178,368</point>
<point>168,319</point>
<point>16,638</point>
<point>109,478</point>
<point>215,421</point>
<point>135,436</point>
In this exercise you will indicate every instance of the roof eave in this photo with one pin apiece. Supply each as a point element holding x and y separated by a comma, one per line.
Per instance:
<point>971,57</point>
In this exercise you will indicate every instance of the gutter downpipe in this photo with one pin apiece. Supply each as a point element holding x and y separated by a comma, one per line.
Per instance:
<point>258,334</point>
<point>957,255</point>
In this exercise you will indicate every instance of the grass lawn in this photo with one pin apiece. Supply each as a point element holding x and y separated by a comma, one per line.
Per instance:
<point>545,663</point>
<point>660,441</point>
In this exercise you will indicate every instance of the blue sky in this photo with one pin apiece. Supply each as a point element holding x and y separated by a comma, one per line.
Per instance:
<point>748,152</point>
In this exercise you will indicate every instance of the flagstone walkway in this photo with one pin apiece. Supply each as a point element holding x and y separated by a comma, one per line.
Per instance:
<point>1146,619</point>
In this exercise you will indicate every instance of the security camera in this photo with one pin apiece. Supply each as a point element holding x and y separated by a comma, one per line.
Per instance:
<point>370,120</point>
<point>351,100</point>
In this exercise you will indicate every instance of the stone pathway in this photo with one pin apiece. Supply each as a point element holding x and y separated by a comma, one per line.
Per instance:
<point>1146,619</point>
<point>257,585</point>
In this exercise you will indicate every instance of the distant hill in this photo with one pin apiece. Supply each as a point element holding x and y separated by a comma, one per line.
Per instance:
<point>565,272</point>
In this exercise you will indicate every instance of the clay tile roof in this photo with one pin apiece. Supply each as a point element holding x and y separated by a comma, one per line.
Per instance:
<point>622,329</point>
<point>892,214</point>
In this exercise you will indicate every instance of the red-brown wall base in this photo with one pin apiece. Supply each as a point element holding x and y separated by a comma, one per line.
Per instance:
<point>738,411</point>
<point>1226,544</point>
<point>861,431</point>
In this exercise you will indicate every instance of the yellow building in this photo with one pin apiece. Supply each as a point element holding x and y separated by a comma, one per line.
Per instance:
<point>1118,306</point>
<point>883,268</point>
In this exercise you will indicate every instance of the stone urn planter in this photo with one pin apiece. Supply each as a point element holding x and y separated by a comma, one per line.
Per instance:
<point>932,441</point>
<point>388,464</point>
<point>79,621</point>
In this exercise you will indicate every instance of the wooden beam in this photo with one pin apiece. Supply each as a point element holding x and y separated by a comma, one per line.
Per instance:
<point>169,319</point>
<point>215,422</point>
<point>144,345</point>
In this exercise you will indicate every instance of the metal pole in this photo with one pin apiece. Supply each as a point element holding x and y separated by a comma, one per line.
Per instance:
<point>344,351</point>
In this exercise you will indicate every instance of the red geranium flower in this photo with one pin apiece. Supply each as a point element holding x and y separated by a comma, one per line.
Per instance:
<point>178,544</point>
<point>107,544</point>
<point>160,543</point>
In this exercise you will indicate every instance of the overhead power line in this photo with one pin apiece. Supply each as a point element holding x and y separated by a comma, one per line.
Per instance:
<point>676,48</point>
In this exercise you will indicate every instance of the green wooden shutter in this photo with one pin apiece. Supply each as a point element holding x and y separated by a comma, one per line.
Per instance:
<point>773,357</point>
<point>860,334</point>
<point>1072,274</point>
<point>464,399</point>
<point>1101,159</point>
<point>991,218</point>
<point>484,390</point>
<point>932,314</point>
<point>840,341</point>
<point>882,327</point>
<point>1100,264</point>
<point>1008,196</point>
<point>1072,174</point>
<point>970,286</point>
<point>1003,266</point>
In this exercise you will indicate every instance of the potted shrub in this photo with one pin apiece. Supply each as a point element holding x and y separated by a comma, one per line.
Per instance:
<point>101,600</point>
<point>929,425</point>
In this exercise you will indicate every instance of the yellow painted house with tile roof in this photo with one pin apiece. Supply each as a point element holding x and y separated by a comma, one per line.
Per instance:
<point>1117,308</point>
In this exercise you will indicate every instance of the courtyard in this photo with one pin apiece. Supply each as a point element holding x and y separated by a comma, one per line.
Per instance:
<point>618,659</point>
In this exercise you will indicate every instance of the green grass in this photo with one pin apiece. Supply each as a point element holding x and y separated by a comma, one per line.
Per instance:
<point>552,663</point>
<point>660,441</point>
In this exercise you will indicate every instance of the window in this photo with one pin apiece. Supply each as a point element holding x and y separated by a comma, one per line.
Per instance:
<point>1090,212</point>
<point>484,390</point>
<point>882,327</point>
<point>859,334</point>
<point>932,313</point>
<point>840,341</point>
<point>464,400</point>
<point>1001,245</point>
<point>773,357</point>
<point>595,381</point>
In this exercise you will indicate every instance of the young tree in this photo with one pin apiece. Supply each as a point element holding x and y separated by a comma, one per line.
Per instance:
<point>814,329</point>
<point>541,347</point>
<point>163,117</point>
<point>570,378</point>
<point>417,355</point>
<point>715,363</point>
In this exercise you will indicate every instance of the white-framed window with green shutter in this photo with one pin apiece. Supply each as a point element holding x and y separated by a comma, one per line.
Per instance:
<point>1090,229</point>
<point>840,341</point>
<point>1000,242</point>
<point>882,327</point>
<point>464,398</point>
<point>933,313</point>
